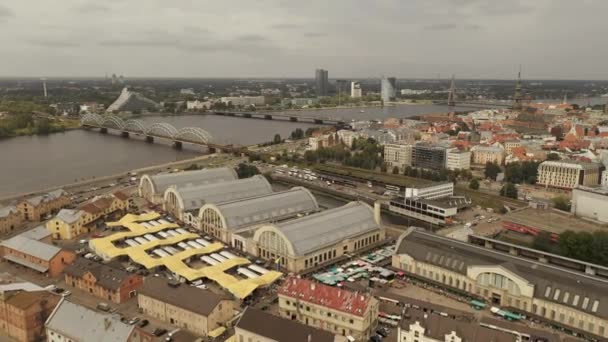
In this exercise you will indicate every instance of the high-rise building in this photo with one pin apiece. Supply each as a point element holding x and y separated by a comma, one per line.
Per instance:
<point>322,82</point>
<point>428,156</point>
<point>388,89</point>
<point>355,89</point>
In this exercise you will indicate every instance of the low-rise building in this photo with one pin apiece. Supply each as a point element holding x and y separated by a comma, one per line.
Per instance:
<point>568,174</point>
<point>71,322</point>
<point>483,154</point>
<point>590,202</point>
<point>332,309</point>
<point>244,101</point>
<point>435,204</point>
<point>38,207</point>
<point>319,239</point>
<point>35,255</point>
<point>458,160</point>
<point>399,155</point>
<point>23,313</point>
<point>567,297</point>
<point>324,141</point>
<point>67,224</point>
<point>10,218</point>
<point>197,105</point>
<point>187,307</point>
<point>102,280</point>
<point>259,326</point>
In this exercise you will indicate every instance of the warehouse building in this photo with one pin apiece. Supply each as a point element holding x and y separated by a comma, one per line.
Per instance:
<point>36,255</point>
<point>590,202</point>
<point>304,243</point>
<point>185,202</point>
<point>153,187</point>
<point>576,300</point>
<point>225,219</point>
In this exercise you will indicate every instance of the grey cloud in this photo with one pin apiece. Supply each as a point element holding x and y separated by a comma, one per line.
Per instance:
<point>137,43</point>
<point>196,29</point>
<point>251,38</point>
<point>53,43</point>
<point>92,7</point>
<point>472,27</point>
<point>6,12</point>
<point>284,26</point>
<point>315,34</point>
<point>441,27</point>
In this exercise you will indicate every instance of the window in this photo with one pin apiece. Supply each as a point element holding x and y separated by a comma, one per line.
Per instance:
<point>566,297</point>
<point>575,301</point>
<point>600,330</point>
<point>596,303</point>
<point>585,303</point>
<point>547,291</point>
<point>556,294</point>
<point>351,321</point>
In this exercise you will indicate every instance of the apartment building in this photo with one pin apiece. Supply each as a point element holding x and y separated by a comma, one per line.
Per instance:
<point>23,313</point>
<point>10,218</point>
<point>104,281</point>
<point>399,155</point>
<point>561,296</point>
<point>38,207</point>
<point>510,145</point>
<point>488,154</point>
<point>332,309</point>
<point>568,174</point>
<point>458,160</point>
<point>183,306</point>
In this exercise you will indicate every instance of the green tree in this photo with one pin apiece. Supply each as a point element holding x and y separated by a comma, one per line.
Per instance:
<point>277,139</point>
<point>553,156</point>
<point>492,170</point>
<point>561,203</point>
<point>509,190</point>
<point>395,170</point>
<point>244,170</point>
<point>298,133</point>
<point>43,126</point>
<point>474,184</point>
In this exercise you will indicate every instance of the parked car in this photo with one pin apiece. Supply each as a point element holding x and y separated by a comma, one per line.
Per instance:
<point>143,323</point>
<point>383,331</point>
<point>159,332</point>
<point>134,320</point>
<point>66,294</point>
<point>103,307</point>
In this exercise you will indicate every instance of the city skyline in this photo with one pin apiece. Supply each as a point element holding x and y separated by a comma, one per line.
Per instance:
<point>408,40</point>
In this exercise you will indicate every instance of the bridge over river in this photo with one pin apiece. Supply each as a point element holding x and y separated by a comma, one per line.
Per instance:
<point>159,130</point>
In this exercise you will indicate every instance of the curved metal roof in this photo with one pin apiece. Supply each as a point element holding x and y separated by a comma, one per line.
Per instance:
<point>192,178</point>
<point>324,229</point>
<point>269,207</point>
<point>196,197</point>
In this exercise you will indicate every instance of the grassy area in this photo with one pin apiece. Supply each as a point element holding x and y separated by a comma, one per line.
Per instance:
<point>482,199</point>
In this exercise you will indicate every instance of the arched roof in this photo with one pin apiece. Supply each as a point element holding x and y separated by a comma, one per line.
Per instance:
<point>183,179</point>
<point>327,228</point>
<point>269,207</point>
<point>195,197</point>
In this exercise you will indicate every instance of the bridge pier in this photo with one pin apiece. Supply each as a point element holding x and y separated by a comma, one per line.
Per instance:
<point>212,149</point>
<point>230,114</point>
<point>103,130</point>
<point>267,117</point>
<point>149,139</point>
<point>247,115</point>
<point>124,134</point>
<point>177,145</point>
<point>293,119</point>
<point>319,121</point>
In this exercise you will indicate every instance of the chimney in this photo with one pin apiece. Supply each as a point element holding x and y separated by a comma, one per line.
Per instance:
<point>377,213</point>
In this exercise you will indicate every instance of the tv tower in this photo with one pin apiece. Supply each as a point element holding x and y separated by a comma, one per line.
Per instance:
<point>452,93</point>
<point>44,86</point>
<point>518,96</point>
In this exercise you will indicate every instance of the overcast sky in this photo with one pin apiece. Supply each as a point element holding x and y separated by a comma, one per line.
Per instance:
<point>290,38</point>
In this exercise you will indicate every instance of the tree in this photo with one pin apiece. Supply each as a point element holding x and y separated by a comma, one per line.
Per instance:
<point>383,167</point>
<point>43,126</point>
<point>298,133</point>
<point>492,170</point>
<point>395,170</point>
<point>509,190</point>
<point>246,170</point>
<point>277,139</point>
<point>553,156</point>
<point>561,203</point>
<point>474,184</point>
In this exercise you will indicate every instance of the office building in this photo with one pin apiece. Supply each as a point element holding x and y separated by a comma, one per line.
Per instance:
<point>510,276</point>
<point>319,239</point>
<point>388,89</point>
<point>321,82</point>
<point>458,160</point>
<point>186,307</point>
<point>590,202</point>
<point>428,156</point>
<point>332,309</point>
<point>355,89</point>
<point>566,174</point>
<point>23,313</point>
<point>399,155</point>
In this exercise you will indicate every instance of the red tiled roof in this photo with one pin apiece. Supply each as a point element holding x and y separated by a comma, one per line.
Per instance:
<point>121,195</point>
<point>331,297</point>
<point>97,206</point>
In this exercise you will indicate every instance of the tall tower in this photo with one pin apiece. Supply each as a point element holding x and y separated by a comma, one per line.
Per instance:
<point>518,97</point>
<point>565,100</point>
<point>322,82</point>
<point>44,86</point>
<point>452,93</point>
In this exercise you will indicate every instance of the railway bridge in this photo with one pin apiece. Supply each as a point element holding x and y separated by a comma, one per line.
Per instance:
<point>159,130</point>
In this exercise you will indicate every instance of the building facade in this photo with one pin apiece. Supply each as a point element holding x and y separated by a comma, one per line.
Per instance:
<point>399,155</point>
<point>458,160</point>
<point>10,218</point>
<point>568,174</point>
<point>355,90</point>
<point>103,281</point>
<point>322,82</point>
<point>23,313</point>
<point>590,202</point>
<point>332,309</point>
<point>35,255</point>
<point>244,101</point>
<point>428,156</point>
<point>488,154</point>
<point>320,239</point>
<point>38,207</point>
<point>572,299</point>
<point>187,307</point>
